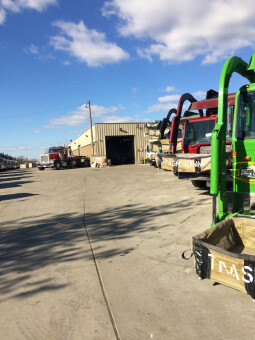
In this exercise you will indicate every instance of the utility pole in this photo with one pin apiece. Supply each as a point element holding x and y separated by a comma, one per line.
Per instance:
<point>90,118</point>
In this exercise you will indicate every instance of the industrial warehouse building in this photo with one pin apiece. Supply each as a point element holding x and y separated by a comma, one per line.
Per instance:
<point>122,143</point>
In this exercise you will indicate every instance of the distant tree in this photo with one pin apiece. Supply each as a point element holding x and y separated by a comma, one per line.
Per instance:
<point>21,160</point>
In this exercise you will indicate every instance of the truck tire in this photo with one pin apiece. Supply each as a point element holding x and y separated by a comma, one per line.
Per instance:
<point>87,162</point>
<point>69,163</point>
<point>57,165</point>
<point>41,169</point>
<point>199,184</point>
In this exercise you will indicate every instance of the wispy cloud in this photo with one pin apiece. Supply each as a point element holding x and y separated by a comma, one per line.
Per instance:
<point>66,62</point>
<point>160,107</point>
<point>2,16</point>
<point>35,131</point>
<point>165,103</point>
<point>17,6</point>
<point>199,95</point>
<point>99,114</point>
<point>32,49</point>
<point>183,30</point>
<point>87,45</point>
<point>169,98</point>
<point>168,89</point>
<point>120,119</point>
<point>40,53</point>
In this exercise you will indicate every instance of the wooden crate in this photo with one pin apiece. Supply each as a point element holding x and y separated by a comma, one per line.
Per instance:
<point>225,253</point>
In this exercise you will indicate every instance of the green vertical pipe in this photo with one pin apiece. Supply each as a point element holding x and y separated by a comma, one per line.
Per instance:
<point>218,160</point>
<point>214,182</point>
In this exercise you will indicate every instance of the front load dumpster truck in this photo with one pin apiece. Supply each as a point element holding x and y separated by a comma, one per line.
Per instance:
<point>175,140</point>
<point>194,162</point>
<point>225,253</point>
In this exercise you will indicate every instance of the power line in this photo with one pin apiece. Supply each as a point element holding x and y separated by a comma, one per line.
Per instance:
<point>37,113</point>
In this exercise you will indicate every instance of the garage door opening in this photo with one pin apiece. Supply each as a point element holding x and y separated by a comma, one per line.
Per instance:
<point>120,149</point>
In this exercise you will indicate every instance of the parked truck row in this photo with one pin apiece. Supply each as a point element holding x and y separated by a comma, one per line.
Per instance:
<point>8,162</point>
<point>186,147</point>
<point>214,147</point>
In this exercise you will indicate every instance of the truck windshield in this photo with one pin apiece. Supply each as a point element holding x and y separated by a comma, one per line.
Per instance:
<point>179,134</point>
<point>246,115</point>
<point>199,131</point>
<point>51,150</point>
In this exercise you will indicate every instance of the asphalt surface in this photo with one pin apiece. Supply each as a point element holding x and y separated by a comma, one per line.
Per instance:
<point>96,254</point>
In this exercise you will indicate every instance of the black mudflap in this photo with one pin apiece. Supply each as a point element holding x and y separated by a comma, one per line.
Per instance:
<point>202,260</point>
<point>249,277</point>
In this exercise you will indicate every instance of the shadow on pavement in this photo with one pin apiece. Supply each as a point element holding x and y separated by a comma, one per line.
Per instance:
<point>15,196</point>
<point>13,184</point>
<point>12,173</point>
<point>123,222</point>
<point>41,241</point>
<point>13,178</point>
<point>27,246</point>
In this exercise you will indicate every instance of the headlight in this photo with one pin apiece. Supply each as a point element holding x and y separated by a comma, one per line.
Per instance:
<point>247,172</point>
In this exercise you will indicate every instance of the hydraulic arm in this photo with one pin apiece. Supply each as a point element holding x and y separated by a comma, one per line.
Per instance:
<point>218,151</point>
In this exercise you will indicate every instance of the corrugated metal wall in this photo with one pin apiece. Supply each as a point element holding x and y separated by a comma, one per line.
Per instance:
<point>83,140</point>
<point>85,150</point>
<point>121,129</point>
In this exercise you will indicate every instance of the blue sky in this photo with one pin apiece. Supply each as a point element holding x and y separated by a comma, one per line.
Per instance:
<point>132,59</point>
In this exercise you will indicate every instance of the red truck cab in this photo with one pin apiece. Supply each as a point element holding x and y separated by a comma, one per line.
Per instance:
<point>197,134</point>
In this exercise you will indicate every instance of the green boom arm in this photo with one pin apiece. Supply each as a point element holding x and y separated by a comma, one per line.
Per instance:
<point>218,149</point>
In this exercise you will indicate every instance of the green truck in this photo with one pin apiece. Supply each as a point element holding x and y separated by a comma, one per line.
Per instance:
<point>225,252</point>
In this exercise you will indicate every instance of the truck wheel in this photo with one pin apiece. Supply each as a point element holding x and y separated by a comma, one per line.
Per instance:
<point>199,184</point>
<point>57,165</point>
<point>175,172</point>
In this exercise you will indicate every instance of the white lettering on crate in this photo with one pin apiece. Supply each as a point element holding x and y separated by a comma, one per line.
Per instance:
<point>246,270</point>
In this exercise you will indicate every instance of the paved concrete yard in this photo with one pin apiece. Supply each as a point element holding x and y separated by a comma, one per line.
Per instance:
<point>139,221</point>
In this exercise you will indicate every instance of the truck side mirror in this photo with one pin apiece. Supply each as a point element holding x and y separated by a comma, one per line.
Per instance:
<point>230,115</point>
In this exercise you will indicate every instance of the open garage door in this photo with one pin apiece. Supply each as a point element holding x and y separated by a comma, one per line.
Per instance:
<point>120,149</point>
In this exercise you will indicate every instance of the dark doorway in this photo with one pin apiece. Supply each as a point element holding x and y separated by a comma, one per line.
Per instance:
<point>120,149</point>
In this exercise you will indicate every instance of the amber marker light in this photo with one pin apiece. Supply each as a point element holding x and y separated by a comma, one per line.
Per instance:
<point>246,158</point>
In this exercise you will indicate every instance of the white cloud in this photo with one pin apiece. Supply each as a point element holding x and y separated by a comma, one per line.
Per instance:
<point>32,49</point>
<point>17,6</point>
<point>168,89</point>
<point>161,107</point>
<point>171,101</point>
<point>14,148</point>
<point>165,103</point>
<point>120,119</point>
<point>87,45</point>
<point>183,30</point>
<point>199,95</point>
<point>2,16</point>
<point>100,114</point>
<point>81,115</point>
<point>169,98</point>
<point>35,131</point>
<point>66,62</point>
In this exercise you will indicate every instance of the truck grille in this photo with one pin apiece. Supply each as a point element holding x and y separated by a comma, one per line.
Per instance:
<point>44,158</point>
